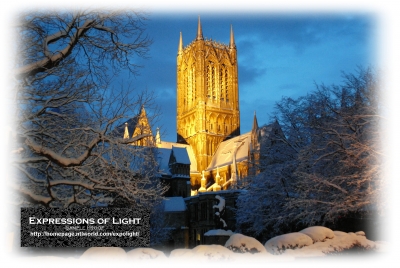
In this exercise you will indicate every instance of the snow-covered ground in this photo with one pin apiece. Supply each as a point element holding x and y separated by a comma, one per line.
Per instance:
<point>313,243</point>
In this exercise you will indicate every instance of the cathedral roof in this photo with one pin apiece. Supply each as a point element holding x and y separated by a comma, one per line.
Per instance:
<point>224,154</point>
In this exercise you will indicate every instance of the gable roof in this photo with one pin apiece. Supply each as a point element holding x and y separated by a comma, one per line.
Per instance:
<point>181,155</point>
<point>224,154</point>
<point>192,158</point>
<point>163,156</point>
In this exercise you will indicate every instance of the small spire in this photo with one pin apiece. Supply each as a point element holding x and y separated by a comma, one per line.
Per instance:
<point>126,132</point>
<point>217,186</point>
<point>142,111</point>
<point>180,46</point>
<point>255,123</point>
<point>158,137</point>
<point>199,31</point>
<point>203,183</point>
<point>232,39</point>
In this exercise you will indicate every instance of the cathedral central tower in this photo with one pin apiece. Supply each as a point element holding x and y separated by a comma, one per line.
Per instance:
<point>207,95</point>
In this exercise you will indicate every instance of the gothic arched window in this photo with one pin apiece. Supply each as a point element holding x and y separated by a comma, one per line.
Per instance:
<point>211,80</point>
<point>226,87</point>
<point>223,82</point>
<point>191,89</point>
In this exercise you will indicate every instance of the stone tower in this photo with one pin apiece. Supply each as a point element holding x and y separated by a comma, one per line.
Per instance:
<point>207,95</point>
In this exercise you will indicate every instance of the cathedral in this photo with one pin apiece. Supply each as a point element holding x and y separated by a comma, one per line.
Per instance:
<point>208,118</point>
<point>211,157</point>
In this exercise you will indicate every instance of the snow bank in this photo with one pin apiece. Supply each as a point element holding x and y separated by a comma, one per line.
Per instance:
<point>146,254</point>
<point>238,248</point>
<point>118,254</point>
<point>241,243</point>
<point>318,233</point>
<point>203,253</point>
<point>181,253</point>
<point>104,253</point>
<point>279,244</point>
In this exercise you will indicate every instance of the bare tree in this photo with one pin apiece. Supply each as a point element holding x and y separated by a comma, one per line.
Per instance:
<point>260,206</point>
<point>332,164</point>
<point>68,109</point>
<point>339,172</point>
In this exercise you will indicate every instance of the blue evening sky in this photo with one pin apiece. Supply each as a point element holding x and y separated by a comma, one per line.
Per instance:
<point>279,54</point>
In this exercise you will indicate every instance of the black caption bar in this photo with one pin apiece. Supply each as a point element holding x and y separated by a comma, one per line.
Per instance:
<point>85,227</point>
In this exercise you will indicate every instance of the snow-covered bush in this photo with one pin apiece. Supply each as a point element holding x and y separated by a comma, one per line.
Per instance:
<point>278,244</point>
<point>347,242</point>
<point>318,233</point>
<point>242,244</point>
<point>344,241</point>
<point>356,248</point>
<point>362,233</point>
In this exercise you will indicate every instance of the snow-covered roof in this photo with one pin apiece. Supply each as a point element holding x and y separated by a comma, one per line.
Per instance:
<point>192,158</point>
<point>163,156</point>
<point>174,204</point>
<point>163,159</point>
<point>181,155</point>
<point>221,192</point>
<point>219,232</point>
<point>224,154</point>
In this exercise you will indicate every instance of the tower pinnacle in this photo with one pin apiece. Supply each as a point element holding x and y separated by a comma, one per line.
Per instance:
<point>180,46</point>
<point>255,123</point>
<point>199,31</point>
<point>232,39</point>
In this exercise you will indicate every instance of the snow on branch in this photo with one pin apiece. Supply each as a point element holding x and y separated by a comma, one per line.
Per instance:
<point>221,204</point>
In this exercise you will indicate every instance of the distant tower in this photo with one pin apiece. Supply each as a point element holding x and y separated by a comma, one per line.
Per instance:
<point>207,95</point>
